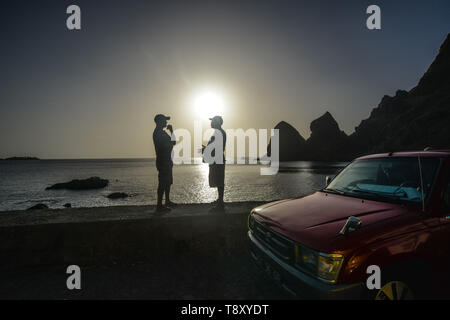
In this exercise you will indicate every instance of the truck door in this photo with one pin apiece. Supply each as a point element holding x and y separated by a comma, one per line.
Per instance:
<point>444,248</point>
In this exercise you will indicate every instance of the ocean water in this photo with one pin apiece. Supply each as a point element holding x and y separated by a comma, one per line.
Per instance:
<point>23,183</point>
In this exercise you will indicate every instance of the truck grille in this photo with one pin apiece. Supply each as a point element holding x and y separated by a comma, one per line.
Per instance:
<point>279,245</point>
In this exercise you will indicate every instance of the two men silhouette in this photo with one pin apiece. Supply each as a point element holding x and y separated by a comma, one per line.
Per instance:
<point>164,164</point>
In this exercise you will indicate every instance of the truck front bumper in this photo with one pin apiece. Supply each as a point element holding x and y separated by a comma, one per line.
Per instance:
<point>297,283</point>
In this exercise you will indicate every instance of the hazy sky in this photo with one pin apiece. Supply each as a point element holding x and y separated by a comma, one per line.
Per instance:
<point>93,93</point>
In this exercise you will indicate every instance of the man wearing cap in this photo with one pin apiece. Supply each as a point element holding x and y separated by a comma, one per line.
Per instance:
<point>217,167</point>
<point>163,148</point>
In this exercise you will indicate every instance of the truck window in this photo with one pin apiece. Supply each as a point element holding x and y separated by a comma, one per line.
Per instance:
<point>390,178</point>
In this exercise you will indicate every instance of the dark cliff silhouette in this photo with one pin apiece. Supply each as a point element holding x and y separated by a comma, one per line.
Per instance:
<point>326,141</point>
<point>291,142</point>
<point>410,120</point>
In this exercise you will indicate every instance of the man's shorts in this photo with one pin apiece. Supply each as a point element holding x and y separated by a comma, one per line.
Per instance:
<point>216,175</point>
<point>165,177</point>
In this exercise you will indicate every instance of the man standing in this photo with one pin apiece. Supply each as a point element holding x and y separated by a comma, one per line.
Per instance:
<point>217,163</point>
<point>163,148</point>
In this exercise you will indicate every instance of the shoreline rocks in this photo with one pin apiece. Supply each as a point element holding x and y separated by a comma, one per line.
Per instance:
<point>86,184</point>
<point>21,158</point>
<point>39,206</point>
<point>118,195</point>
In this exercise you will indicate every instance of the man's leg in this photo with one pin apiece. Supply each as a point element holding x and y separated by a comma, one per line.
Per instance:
<point>160,207</point>
<point>167,193</point>
<point>162,185</point>
<point>220,190</point>
<point>220,205</point>
<point>169,203</point>
<point>221,187</point>
<point>160,195</point>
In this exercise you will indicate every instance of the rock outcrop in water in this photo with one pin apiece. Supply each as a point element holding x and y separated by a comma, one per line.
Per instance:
<point>410,120</point>
<point>117,195</point>
<point>291,142</point>
<point>87,184</point>
<point>326,141</point>
<point>40,206</point>
<point>22,158</point>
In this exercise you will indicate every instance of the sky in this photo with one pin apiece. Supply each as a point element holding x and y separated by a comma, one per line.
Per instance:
<point>93,93</point>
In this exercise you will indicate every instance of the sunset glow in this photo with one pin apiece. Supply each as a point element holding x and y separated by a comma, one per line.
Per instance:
<point>208,103</point>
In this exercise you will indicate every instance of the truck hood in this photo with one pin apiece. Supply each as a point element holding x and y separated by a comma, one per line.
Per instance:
<point>316,220</point>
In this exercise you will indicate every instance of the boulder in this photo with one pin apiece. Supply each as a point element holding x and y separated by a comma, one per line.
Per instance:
<point>39,206</point>
<point>118,195</point>
<point>86,184</point>
<point>68,205</point>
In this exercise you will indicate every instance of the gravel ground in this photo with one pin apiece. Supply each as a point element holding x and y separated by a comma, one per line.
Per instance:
<point>115,213</point>
<point>183,278</point>
<point>214,275</point>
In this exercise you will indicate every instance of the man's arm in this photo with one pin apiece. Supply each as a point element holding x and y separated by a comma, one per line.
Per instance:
<point>173,139</point>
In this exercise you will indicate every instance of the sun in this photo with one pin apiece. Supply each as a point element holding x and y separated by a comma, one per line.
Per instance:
<point>209,103</point>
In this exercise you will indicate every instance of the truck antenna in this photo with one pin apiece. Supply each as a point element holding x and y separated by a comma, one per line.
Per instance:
<point>421,183</point>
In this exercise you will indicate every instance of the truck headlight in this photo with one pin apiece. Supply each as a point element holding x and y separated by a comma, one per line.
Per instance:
<point>309,259</point>
<point>329,266</point>
<point>251,221</point>
<point>324,266</point>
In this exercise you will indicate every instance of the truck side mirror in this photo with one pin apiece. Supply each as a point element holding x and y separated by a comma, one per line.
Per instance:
<point>327,180</point>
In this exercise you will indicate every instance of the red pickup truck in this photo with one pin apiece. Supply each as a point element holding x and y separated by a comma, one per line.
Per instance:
<point>391,211</point>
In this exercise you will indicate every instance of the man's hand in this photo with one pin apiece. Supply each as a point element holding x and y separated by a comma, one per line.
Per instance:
<point>169,127</point>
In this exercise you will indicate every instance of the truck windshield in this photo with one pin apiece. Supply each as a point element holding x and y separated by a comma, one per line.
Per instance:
<point>396,179</point>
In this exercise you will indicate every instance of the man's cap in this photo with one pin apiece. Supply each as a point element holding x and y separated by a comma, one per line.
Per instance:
<point>217,119</point>
<point>160,117</point>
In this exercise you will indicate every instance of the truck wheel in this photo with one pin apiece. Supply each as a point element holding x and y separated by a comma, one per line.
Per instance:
<point>395,290</point>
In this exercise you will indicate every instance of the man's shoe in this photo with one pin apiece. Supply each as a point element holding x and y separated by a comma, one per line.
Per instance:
<point>219,207</point>
<point>171,204</point>
<point>162,209</point>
